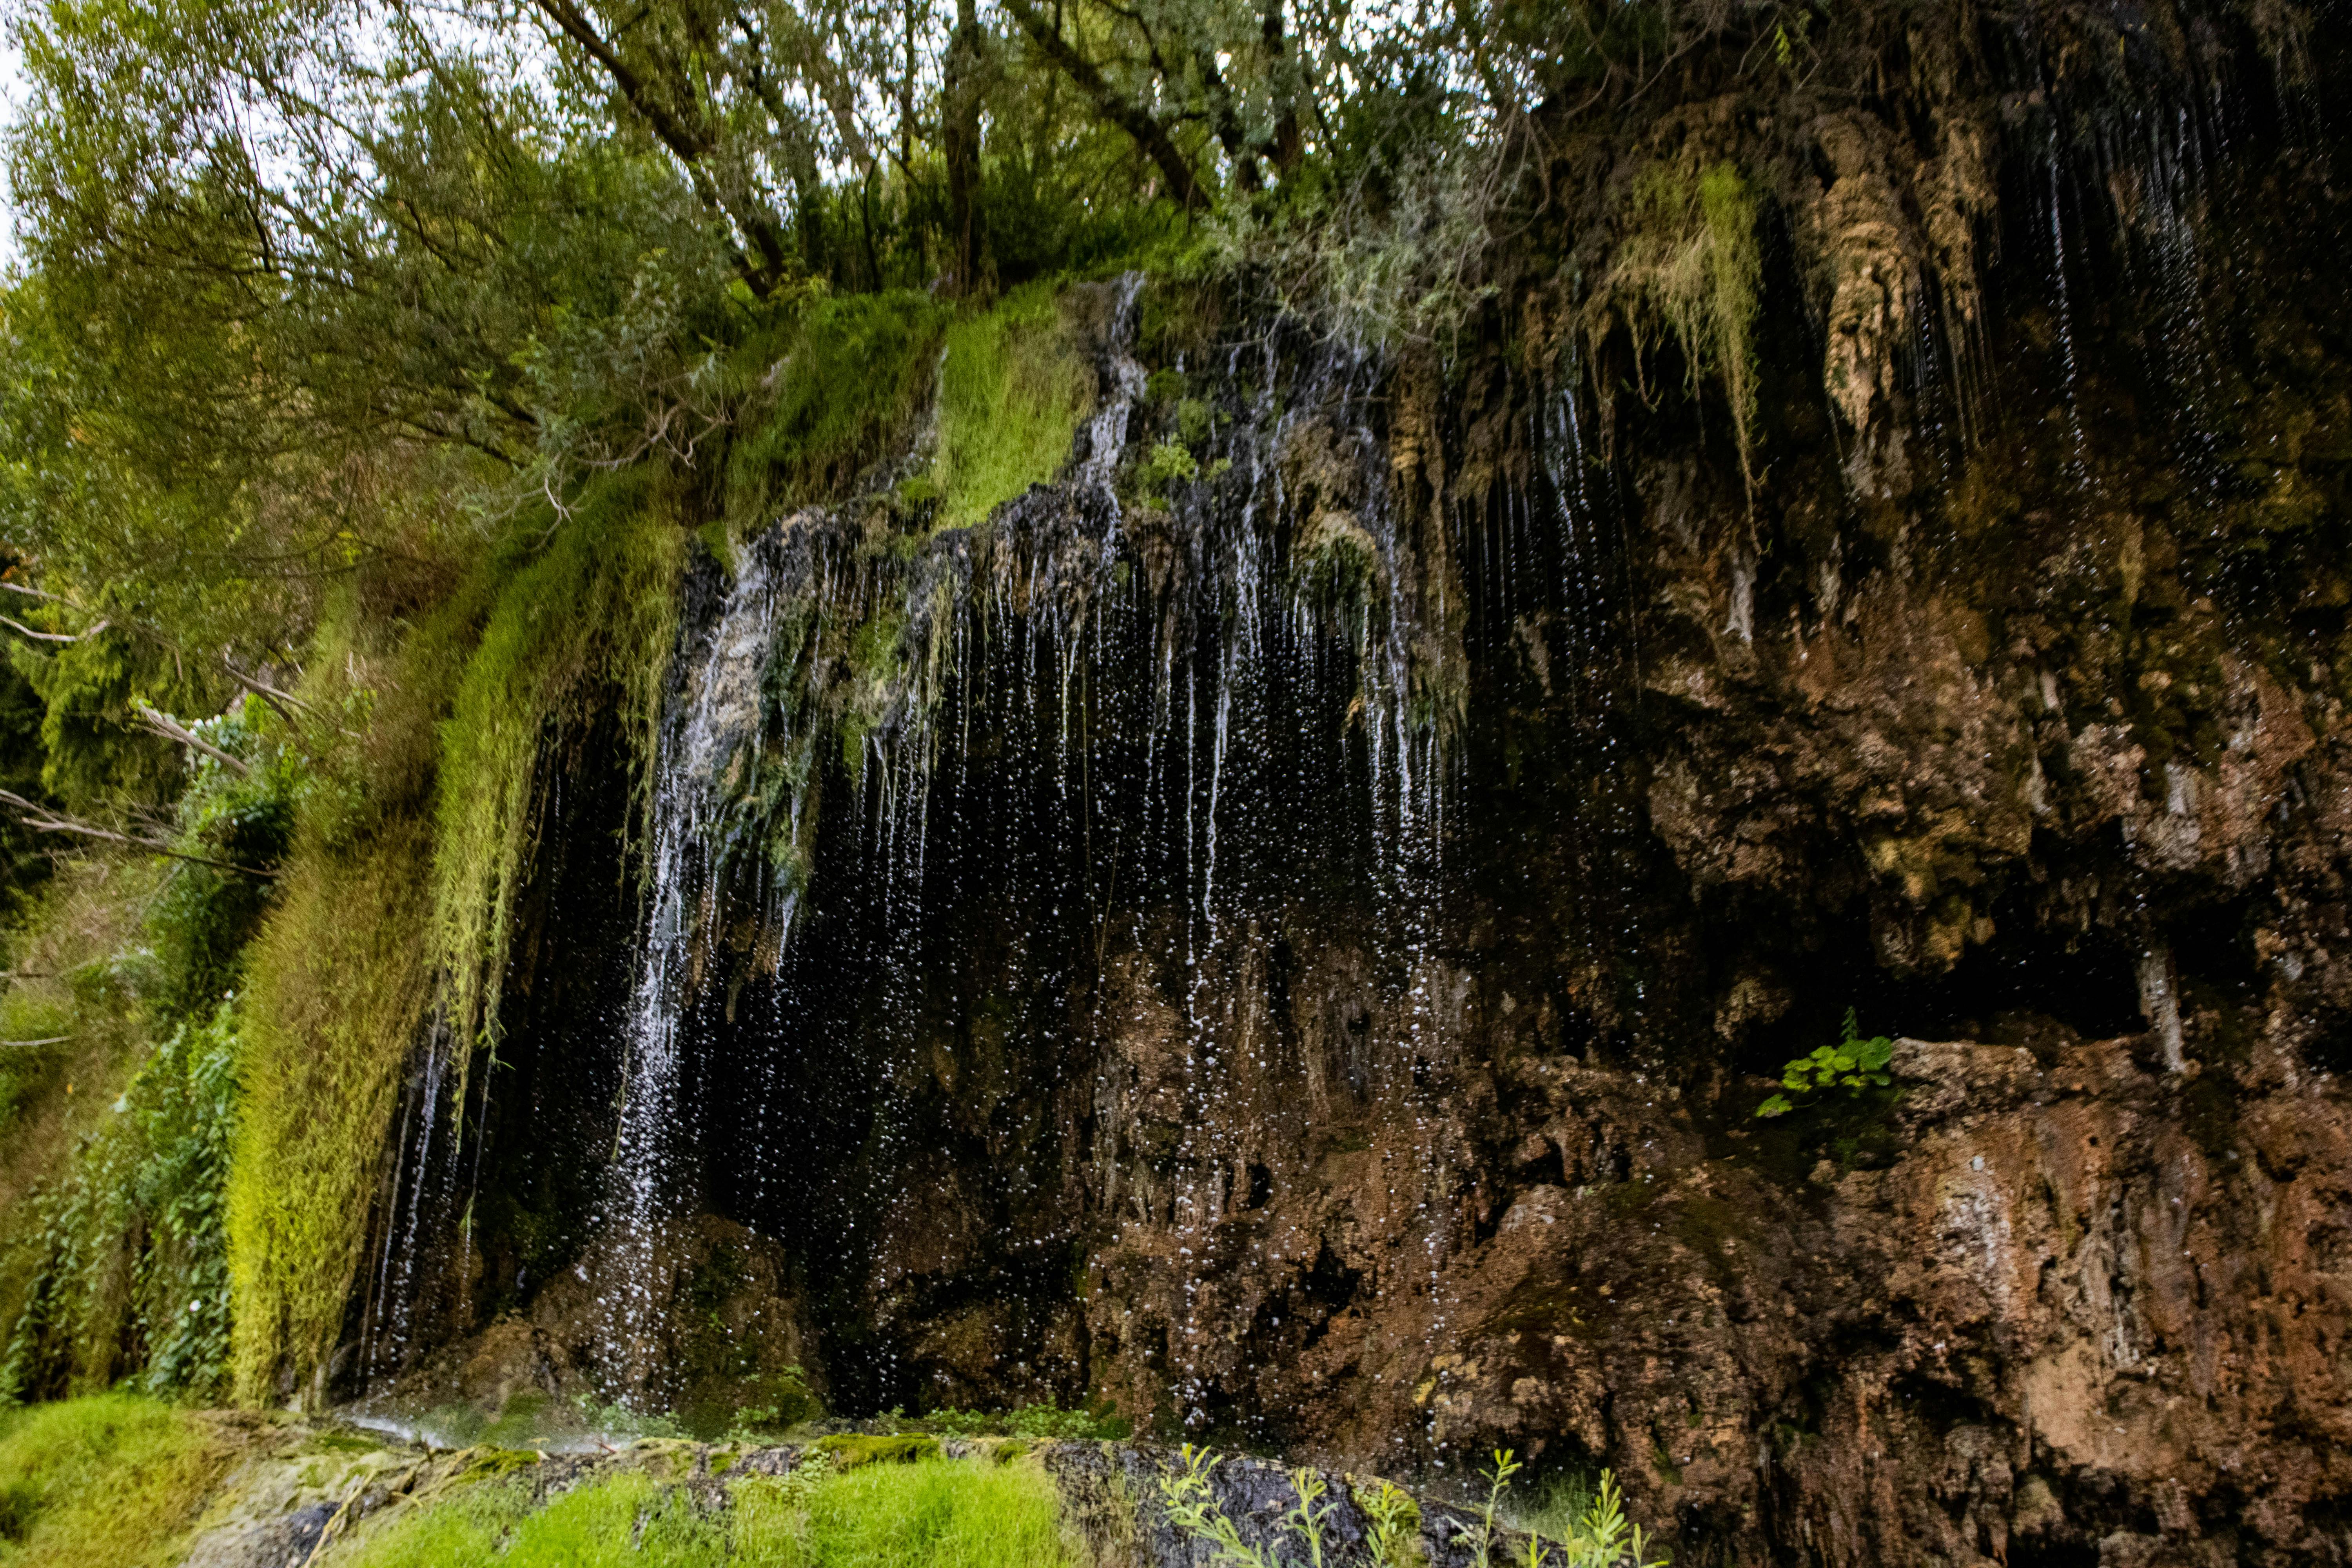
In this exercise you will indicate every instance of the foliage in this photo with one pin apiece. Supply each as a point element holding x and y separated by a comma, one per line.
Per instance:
<point>858,368</point>
<point>1573,1527</point>
<point>1394,1525</point>
<point>1499,1472</point>
<point>787,1401</point>
<point>588,618</point>
<point>117,1263</point>
<point>1853,1067</point>
<point>1190,1499</point>
<point>1165,467</point>
<point>935,1513</point>
<point>93,756</point>
<point>339,989</point>
<point>229,815</point>
<point>621,1519</point>
<point>1598,1537</point>
<point>338,986</point>
<point>111,1478</point>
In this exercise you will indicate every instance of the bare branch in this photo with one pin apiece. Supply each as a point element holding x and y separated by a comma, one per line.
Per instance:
<point>16,626</point>
<point>161,723</point>
<point>41,819</point>
<point>1132,118</point>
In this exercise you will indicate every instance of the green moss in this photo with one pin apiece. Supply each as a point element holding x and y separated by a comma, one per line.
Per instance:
<point>933,1514</point>
<point>407,861</point>
<point>1012,390</point>
<point>848,1450</point>
<point>1690,268</point>
<point>625,1518</point>
<point>110,1479</point>
<point>857,373</point>
<point>339,988</point>
<point>1029,1421</point>
<point>587,619</point>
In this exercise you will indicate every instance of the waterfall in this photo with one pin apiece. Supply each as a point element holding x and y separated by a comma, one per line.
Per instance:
<point>711,731</point>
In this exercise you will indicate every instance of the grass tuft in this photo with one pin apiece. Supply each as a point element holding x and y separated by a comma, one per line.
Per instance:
<point>938,1513</point>
<point>1013,391</point>
<point>110,1479</point>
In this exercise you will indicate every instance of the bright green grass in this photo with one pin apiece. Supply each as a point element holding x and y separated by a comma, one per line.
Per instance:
<point>932,1514</point>
<point>110,1481</point>
<point>627,1520</point>
<point>1012,390</point>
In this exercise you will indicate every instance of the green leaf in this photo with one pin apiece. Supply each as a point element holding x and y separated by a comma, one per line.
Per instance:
<point>1777,1106</point>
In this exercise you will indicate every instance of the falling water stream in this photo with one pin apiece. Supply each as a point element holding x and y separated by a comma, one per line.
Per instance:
<point>711,732</point>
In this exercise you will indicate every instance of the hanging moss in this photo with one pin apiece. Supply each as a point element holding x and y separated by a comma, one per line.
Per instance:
<point>397,898</point>
<point>1689,268</point>
<point>340,989</point>
<point>590,618</point>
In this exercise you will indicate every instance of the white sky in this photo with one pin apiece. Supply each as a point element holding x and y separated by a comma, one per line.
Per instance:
<point>12,97</point>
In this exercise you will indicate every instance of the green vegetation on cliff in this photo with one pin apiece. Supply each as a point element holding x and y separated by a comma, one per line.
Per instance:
<point>110,1479</point>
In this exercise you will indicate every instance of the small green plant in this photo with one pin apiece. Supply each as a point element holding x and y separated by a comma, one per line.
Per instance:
<point>1394,1530</point>
<point>1498,1481</point>
<point>1604,1537</point>
<point>1306,1519</point>
<point>1168,464</point>
<point>1601,1538</point>
<point>1191,1506</point>
<point>1853,1066</point>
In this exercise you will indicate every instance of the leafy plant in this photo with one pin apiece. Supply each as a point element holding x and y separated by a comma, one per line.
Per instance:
<point>1853,1066</point>
<point>1604,1537</point>
<point>1498,1481</point>
<point>1394,1525</point>
<point>1601,1537</point>
<point>1191,1506</point>
<point>1304,1519</point>
<point>1168,464</point>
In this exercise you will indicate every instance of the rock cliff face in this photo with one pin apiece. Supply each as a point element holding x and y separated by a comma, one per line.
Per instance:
<point>1290,937</point>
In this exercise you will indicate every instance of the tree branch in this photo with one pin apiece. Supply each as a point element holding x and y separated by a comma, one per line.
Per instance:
<point>41,819</point>
<point>171,729</point>
<point>1149,134</point>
